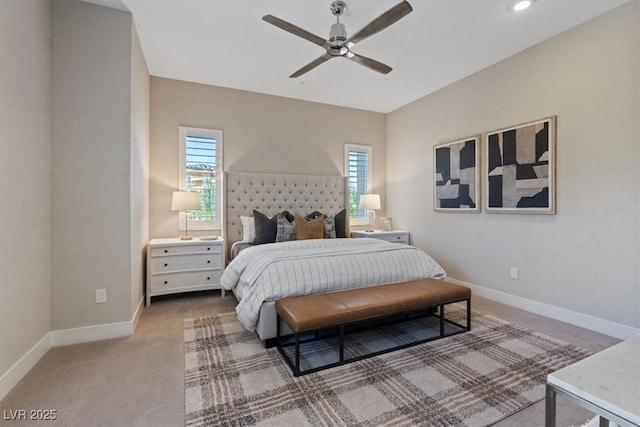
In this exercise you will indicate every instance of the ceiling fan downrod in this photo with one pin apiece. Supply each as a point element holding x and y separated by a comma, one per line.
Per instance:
<point>337,34</point>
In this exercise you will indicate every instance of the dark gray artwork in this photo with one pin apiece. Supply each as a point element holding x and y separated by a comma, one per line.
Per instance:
<point>520,168</point>
<point>457,176</point>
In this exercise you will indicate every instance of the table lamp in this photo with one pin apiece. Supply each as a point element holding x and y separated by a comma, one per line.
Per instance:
<point>370,203</point>
<point>185,201</point>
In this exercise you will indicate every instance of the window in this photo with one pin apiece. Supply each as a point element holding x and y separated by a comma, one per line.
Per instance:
<point>200,166</point>
<point>357,166</point>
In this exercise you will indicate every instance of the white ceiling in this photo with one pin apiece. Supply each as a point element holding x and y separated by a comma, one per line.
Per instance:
<point>226,43</point>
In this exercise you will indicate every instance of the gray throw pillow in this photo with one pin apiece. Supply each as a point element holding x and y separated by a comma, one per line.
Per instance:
<point>341,224</point>
<point>285,229</point>
<point>330,227</point>
<point>265,228</point>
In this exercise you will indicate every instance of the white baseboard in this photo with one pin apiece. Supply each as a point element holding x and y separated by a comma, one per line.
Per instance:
<point>137,314</point>
<point>97,332</point>
<point>91,333</point>
<point>19,369</point>
<point>586,321</point>
<point>66,337</point>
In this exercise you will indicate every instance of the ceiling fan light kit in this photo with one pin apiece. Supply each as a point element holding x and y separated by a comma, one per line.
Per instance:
<point>338,44</point>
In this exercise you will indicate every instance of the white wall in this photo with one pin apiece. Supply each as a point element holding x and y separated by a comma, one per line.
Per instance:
<point>139,167</point>
<point>583,259</point>
<point>91,164</point>
<point>25,198</point>
<point>262,133</point>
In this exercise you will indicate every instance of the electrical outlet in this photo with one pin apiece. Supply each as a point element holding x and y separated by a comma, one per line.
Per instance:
<point>101,296</point>
<point>513,272</point>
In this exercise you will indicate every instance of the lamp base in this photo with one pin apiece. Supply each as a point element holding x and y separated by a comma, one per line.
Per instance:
<point>186,238</point>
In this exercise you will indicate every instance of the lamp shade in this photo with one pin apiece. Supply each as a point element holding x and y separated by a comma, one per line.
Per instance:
<point>370,201</point>
<point>185,201</point>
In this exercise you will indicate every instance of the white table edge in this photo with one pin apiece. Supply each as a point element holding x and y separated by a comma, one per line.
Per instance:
<point>594,400</point>
<point>619,353</point>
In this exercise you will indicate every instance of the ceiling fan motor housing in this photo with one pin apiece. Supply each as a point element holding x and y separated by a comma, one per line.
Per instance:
<point>338,34</point>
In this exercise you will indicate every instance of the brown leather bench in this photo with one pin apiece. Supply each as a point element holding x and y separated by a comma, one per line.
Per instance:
<point>319,312</point>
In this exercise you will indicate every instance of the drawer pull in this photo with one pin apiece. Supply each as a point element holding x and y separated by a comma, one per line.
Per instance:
<point>208,278</point>
<point>208,262</point>
<point>166,265</point>
<point>165,282</point>
<point>166,251</point>
<point>398,237</point>
<point>208,249</point>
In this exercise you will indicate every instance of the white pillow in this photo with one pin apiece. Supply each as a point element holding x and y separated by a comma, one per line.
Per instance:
<point>248,229</point>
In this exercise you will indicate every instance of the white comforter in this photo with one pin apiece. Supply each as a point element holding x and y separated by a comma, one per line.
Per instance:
<point>278,270</point>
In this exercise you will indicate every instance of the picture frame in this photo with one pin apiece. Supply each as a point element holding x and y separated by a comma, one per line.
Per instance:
<point>519,168</point>
<point>456,167</point>
<point>386,224</point>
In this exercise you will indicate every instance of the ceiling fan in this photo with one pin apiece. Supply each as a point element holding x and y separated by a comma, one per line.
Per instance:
<point>338,43</point>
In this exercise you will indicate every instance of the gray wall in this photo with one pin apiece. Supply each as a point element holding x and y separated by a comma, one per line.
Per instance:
<point>25,106</point>
<point>97,133</point>
<point>585,258</point>
<point>139,168</point>
<point>262,133</point>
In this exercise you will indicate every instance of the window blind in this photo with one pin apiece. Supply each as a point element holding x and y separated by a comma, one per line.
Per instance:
<point>200,165</point>
<point>358,169</point>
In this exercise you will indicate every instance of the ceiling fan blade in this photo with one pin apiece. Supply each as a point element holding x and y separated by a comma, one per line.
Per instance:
<point>295,30</point>
<point>371,63</point>
<point>381,22</point>
<point>311,65</point>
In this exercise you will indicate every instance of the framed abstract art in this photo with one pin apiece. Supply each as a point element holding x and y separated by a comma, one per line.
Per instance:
<point>519,168</point>
<point>457,175</point>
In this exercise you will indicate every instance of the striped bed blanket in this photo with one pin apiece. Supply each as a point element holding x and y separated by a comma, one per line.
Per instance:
<point>277,270</point>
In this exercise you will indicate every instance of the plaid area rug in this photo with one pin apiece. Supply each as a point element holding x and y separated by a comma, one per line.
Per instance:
<point>472,379</point>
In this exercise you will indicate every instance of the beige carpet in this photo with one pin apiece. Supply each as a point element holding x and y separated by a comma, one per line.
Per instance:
<point>472,379</point>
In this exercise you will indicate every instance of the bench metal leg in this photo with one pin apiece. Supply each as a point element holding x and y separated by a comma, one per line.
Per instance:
<point>469,314</point>
<point>550,409</point>
<point>441,320</point>
<point>296,370</point>
<point>341,343</point>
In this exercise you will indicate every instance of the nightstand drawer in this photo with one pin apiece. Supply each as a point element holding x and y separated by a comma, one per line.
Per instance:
<point>396,236</point>
<point>166,282</point>
<point>184,262</point>
<point>214,247</point>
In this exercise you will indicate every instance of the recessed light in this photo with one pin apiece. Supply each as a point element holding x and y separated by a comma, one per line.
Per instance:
<point>521,5</point>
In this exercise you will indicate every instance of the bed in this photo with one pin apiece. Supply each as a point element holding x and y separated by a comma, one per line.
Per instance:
<point>261,274</point>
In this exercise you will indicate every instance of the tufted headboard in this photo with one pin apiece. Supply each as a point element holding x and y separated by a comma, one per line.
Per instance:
<point>272,193</point>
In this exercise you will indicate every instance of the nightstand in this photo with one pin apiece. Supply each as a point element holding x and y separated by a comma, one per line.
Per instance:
<point>396,236</point>
<point>175,266</point>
